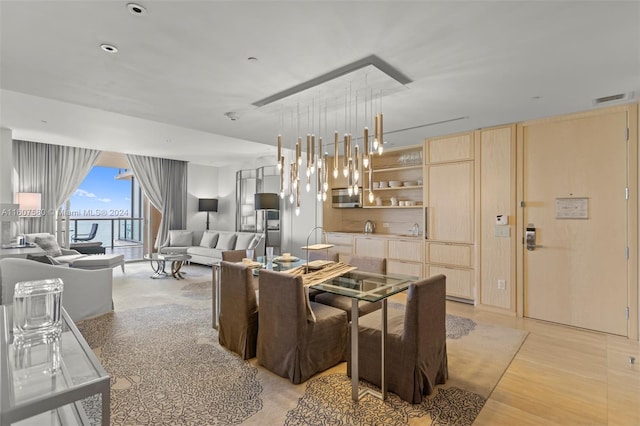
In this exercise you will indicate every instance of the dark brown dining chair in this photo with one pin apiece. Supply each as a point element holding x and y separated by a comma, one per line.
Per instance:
<point>234,255</point>
<point>238,321</point>
<point>289,344</point>
<point>374,265</point>
<point>416,343</point>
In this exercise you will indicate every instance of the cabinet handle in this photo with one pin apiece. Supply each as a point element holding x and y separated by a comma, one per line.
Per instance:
<point>426,223</point>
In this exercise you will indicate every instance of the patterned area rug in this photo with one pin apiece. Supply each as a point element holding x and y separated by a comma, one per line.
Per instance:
<point>327,400</point>
<point>166,367</point>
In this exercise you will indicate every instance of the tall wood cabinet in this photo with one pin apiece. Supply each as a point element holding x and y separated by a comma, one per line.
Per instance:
<point>449,212</point>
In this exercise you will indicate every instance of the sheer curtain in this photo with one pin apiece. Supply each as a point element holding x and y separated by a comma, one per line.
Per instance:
<point>55,172</point>
<point>164,182</point>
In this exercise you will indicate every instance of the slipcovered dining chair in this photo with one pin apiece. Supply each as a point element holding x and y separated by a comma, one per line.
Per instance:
<point>234,255</point>
<point>238,328</point>
<point>416,343</point>
<point>289,344</point>
<point>375,265</point>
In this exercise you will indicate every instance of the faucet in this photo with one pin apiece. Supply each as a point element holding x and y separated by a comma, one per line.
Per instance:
<point>415,230</point>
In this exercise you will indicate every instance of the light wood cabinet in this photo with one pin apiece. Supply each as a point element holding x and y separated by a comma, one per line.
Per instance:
<point>342,245</point>
<point>370,246</point>
<point>460,282</point>
<point>409,250</point>
<point>450,212</point>
<point>405,268</point>
<point>450,208</point>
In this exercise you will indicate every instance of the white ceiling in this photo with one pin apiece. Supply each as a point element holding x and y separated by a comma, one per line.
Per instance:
<point>183,65</point>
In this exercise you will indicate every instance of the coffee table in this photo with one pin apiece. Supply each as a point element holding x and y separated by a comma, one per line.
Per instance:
<point>158,262</point>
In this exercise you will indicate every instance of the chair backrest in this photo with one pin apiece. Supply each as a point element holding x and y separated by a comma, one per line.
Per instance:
<point>375,265</point>
<point>233,255</point>
<point>282,302</point>
<point>425,314</point>
<point>237,295</point>
<point>322,255</point>
<point>94,229</point>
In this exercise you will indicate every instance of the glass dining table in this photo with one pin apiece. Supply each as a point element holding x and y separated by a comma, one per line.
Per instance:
<point>359,285</point>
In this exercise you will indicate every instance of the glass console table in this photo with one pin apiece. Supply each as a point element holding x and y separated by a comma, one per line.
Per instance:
<point>34,394</point>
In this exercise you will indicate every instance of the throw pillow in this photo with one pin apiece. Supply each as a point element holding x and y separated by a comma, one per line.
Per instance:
<point>243,241</point>
<point>49,244</point>
<point>226,241</point>
<point>209,239</point>
<point>41,259</point>
<point>180,238</point>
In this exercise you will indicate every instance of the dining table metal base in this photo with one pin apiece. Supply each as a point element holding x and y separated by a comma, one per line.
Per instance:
<point>356,393</point>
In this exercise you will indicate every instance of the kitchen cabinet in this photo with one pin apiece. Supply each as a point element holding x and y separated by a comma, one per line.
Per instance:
<point>450,212</point>
<point>405,257</point>
<point>370,246</point>
<point>342,245</point>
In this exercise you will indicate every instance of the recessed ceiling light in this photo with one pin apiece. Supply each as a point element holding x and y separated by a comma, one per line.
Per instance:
<point>109,48</point>
<point>136,9</point>
<point>232,115</point>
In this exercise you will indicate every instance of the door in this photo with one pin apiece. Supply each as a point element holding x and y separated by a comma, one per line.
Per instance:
<point>575,175</point>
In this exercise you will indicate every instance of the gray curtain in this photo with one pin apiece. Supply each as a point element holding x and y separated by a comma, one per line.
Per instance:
<point>52,170</point>
<point>164,182</point>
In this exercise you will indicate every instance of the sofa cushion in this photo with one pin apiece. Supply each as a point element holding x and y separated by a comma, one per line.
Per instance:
<point>49,244</point>
<point>255,241</point>
<point>226,241</point>
<point>41,259</point>
<point>203,251</point>
<point>209,239</point>
<point>173,250</point>
<point>180,238</point>
<point>243,240</point>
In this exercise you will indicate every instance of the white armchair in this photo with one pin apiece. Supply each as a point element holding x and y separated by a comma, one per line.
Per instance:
<point>86,294</point>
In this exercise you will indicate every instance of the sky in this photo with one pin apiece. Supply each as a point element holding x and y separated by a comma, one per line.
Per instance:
<point>101,195</point>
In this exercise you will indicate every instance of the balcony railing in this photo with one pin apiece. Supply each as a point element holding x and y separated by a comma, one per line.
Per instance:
<point>112,232</point>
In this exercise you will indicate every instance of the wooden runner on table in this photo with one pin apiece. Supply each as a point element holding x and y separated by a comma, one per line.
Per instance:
<point>324,274</point>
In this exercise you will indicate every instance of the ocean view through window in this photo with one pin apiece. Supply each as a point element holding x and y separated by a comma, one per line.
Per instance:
<point>110,198</point>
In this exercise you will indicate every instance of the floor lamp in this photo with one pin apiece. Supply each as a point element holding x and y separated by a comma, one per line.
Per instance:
<point>208,205</point>
<point>266,201</point>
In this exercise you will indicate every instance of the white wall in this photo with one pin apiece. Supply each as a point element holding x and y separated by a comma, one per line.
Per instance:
<point>6,166</point>
<point>202,182</point>
<point>214,182</point>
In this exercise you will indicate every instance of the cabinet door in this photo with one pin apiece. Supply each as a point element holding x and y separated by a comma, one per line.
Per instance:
<point>450,148</point>
<point>404,268</point>
<point>405,250</point>
<point>374,247</point>
<point>450,204</point>
<point>459,281</point>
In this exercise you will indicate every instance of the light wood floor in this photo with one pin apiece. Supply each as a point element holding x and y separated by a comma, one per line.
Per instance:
<point>562,376</point>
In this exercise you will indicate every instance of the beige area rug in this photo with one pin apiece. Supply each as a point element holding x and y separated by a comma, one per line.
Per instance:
<point>166,367</point>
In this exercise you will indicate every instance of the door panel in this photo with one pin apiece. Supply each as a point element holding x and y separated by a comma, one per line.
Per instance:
<point>579,275</point>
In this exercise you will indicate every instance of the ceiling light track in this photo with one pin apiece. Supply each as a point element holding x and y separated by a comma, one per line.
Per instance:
<point>372,60</point>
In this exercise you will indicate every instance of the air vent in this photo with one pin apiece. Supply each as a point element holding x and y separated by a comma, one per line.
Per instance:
<point>611,98</point>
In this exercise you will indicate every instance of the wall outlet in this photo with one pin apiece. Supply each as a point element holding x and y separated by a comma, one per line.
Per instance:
<point>385,224</point>
<point>501,284</point>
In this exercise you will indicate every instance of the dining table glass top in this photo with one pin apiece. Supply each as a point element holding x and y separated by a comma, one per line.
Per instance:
<point>366,286</point>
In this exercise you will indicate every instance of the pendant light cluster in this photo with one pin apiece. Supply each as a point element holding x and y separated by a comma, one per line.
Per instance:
<point>316,159</point>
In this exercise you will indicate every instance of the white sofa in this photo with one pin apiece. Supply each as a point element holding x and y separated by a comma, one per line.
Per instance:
<point>206,247</point>
<point>86,294</point>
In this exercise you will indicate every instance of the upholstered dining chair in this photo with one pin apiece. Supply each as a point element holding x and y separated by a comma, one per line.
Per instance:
<point>374,265</point>
<point>289,344</point>
<point>238,329</point>
<point>234,255</point>
<point>416,351</point>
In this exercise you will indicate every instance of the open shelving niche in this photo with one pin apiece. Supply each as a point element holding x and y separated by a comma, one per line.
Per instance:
<point>400,164</point>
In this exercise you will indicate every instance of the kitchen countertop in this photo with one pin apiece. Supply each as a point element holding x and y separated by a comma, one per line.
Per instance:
<point>378,235</point>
